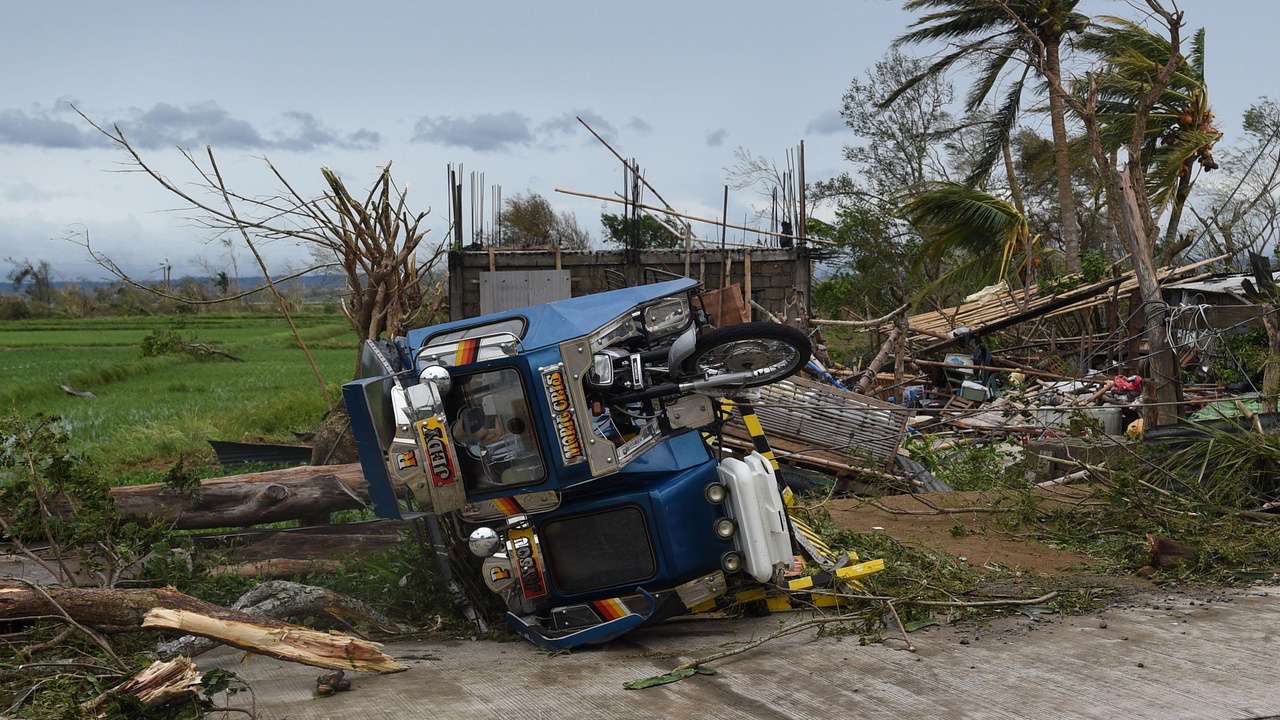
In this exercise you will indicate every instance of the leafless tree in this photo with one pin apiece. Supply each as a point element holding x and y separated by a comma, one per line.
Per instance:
<point>377,240</point>
<point>1242,212</point>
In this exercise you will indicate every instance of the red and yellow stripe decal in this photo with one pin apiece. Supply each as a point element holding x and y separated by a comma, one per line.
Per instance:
<point>466,352</point>
<point>508,506</point>
<point>611,609</point>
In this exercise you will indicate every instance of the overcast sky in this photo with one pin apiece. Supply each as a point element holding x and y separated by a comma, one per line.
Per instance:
<point>678,85</point>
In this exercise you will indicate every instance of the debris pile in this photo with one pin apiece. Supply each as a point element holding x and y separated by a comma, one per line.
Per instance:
<point>1038,364</point>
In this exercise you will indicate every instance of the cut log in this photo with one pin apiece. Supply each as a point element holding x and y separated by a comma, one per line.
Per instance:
<point>124,610</point>
<point>248,499</point>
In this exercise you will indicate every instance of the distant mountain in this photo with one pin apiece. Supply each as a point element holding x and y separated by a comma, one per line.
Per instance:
<point>311,284</point>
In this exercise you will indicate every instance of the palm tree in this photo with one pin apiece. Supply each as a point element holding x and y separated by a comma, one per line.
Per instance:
<point>992,33</point>
<point>1180,129</point>
<point>955,219</point>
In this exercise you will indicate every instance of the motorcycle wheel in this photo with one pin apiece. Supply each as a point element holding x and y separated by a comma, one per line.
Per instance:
<point>779,350</point>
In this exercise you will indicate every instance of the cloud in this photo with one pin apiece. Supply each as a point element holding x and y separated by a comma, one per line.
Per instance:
<point>639,126</point>
<point>716,138</point>
<point>498,132</point>
<point>48,128</point>
<point>828,122</point>
<point>567,124</point>
<point>311,134</point>
<point>165,125</point>
<point>482,132</point>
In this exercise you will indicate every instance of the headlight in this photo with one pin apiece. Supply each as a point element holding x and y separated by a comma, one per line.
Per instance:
<point>667,315</point>
<point>725,528</point>
<point>731,562</point>
<point>715,493</point>
<point>601,370</point>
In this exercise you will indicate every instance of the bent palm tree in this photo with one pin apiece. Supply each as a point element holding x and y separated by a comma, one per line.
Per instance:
<point>1180,128</point>
<point>952,217</point>
<point>992,32</point>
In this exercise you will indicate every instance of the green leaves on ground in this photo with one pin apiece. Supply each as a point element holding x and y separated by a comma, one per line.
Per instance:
<point>674,676</point>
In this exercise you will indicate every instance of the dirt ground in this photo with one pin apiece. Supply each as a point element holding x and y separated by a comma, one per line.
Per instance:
<point>975,537</point>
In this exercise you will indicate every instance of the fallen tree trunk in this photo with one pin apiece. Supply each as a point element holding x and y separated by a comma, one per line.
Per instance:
<point>249,499</point>
<point>166,608</point>
<point>281,600</point>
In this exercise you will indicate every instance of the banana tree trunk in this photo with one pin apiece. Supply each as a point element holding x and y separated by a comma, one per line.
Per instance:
<point>1062,163</point>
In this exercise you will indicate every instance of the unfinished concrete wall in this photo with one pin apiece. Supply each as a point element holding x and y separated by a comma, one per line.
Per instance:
<point>779,280</point>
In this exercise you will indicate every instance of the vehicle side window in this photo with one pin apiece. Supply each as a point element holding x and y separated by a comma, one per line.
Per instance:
<point>492,428</point>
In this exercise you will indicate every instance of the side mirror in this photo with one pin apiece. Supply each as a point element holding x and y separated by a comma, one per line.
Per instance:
<point>483,542</point>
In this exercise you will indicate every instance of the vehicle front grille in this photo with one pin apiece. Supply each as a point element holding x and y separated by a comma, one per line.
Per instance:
<point>598,550</point>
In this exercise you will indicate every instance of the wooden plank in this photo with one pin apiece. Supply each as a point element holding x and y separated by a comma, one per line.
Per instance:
<point>725,306</point>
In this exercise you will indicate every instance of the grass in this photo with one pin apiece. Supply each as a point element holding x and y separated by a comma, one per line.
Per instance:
<point>151,411</point>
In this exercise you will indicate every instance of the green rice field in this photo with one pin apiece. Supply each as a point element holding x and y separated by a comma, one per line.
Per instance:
<point>149,411</point>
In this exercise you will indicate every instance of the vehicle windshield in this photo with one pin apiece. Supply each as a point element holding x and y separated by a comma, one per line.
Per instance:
<point>492,430</point>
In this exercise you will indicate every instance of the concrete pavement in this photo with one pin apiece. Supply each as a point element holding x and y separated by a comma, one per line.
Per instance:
<point>1159,657</point>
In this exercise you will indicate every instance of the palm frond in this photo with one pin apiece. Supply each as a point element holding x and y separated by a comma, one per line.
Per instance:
<point>1197,53</point>
<point>988,75</point>
<point>997,133</point>
<point>952,216</point>
<point>935,69</point>
<point>1169,161</point>
<point>957,24</point>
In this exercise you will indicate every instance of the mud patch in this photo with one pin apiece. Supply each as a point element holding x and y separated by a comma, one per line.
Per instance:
<point>941,522</point>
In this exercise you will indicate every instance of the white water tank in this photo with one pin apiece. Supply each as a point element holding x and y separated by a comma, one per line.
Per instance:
<point>756,506</point>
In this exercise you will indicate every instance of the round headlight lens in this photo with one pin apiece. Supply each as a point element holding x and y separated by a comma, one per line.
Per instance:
<point>725,528</point>
<point>716,493</point>
<point>731,562</point>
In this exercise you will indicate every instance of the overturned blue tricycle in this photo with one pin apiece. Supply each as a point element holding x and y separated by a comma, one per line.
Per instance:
<point>567,443</point>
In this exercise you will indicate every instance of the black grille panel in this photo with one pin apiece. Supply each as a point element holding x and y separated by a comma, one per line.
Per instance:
<point>600,550</point>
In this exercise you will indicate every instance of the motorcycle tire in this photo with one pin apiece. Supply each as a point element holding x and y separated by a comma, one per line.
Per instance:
<point>747,338</point>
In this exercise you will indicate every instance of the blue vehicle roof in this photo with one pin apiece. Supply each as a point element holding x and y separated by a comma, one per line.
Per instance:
<point>555,322</point>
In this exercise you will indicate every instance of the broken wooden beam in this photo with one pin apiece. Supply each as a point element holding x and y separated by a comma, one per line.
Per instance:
<point>1032,372</point>
<point>160,683</point>
<point>279,640</point>
<point>873,367</point>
